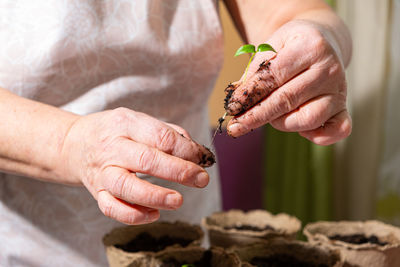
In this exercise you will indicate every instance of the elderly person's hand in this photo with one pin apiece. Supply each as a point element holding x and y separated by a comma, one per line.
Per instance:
<point>301,88</point>
<point>102,151</point>
<point>105,151</point>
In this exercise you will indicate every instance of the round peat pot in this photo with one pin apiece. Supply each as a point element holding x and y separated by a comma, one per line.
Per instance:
<point>189,256</point>
<point>235,227</point>
<point>369,243</point>
<point>280,252</point>
<point>125,244</point>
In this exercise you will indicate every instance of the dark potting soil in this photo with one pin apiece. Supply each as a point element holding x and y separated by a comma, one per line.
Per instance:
<point>358,239</point>
<point>204,261</point>
<point>220,122</point>
<point>282,260</point>
<point>146,242</point>
<point>249,227</point>
<point>207,160</point>
<point>228,94</point>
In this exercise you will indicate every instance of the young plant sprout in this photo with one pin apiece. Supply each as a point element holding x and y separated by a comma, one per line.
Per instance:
<point>244,49</point>
<point>251,49</point>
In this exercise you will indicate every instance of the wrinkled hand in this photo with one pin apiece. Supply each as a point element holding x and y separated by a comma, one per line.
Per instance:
<point>105,150</point>
<point>301,89</point>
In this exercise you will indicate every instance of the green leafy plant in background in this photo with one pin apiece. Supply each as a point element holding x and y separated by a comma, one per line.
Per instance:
<point>251,49</point>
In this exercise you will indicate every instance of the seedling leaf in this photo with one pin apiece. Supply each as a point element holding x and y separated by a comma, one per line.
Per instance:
<point>249,48</point>
<point>265,47</point>
<point>244,49</point>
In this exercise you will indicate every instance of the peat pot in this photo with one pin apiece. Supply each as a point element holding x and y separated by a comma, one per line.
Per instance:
<point>287,253</point>
<point>189,256</point>
<point>369,243</point>
<point>236,227</point>
<point>125,245</point>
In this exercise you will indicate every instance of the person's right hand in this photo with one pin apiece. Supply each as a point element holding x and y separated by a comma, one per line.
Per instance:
<point>105,150</point>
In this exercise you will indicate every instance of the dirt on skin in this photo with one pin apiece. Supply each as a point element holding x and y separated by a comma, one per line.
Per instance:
<point>146,242</point>
<point>358,239</point>
<point>207,159</point>
<point>282,260</point>
<point>206,156</point>
<point>255,89</point>
<point>228,94</point>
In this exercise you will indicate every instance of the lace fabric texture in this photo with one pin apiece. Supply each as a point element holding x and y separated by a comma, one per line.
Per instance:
<point>154,56</point>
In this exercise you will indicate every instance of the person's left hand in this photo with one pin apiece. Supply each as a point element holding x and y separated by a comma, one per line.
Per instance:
<point>301,89</point>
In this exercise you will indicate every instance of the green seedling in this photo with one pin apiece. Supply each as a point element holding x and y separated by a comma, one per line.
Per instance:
<point>244,49</point>
<point>251,49</point>
<point>188,265</point>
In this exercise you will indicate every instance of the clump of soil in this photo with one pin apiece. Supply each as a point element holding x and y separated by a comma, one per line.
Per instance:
<point>220,121</point>
<point>282,260</point>
<point>207,159</point>
<point>358,239</point>
<point>146,242</point>
<point>228,94</point>
<point>264,65</point>
<point>249,227</point>
<point>204,261</point>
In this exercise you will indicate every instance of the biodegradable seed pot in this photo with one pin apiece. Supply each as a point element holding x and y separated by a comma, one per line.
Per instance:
<point>369,243</point>
<point>127,244</point>
<point>236,227</point>
<point>281,252</point>
<point>189,256</point>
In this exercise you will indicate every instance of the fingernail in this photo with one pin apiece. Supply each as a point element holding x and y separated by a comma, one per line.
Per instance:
<point>152,215</point>
<point>201,179</point>
<point>173,200</point>
<point>237,129</point>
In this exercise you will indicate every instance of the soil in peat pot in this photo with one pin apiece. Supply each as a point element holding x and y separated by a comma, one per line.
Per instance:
<point>204,261</point>
<point>282,260</point>
<point>358,239</point>
<point>249,228</point>
<point>146,242</point>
